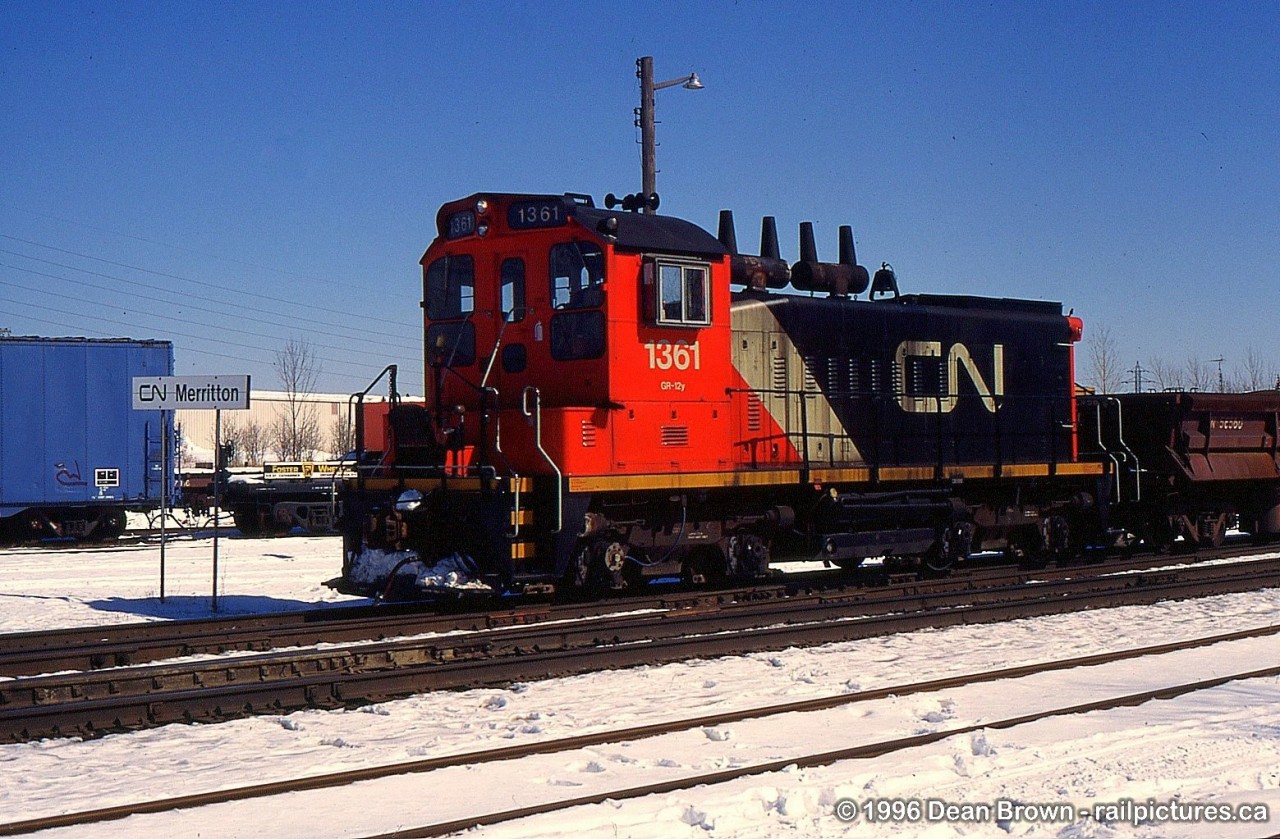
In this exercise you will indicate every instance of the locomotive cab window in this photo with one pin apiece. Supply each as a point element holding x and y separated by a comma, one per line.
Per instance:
<point>577,275</point>
<point>450,287</point>
<point>512,277</point>
<point>682,293</point>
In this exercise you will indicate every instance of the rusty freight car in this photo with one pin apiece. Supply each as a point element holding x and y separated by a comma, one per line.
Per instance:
<point>1188,464</point>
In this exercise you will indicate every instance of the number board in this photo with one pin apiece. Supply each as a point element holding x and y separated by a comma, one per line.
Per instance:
<point>460,224</point>
<point>527,215</point>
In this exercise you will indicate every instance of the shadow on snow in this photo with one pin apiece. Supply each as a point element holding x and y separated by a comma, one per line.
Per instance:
<point>201,606</point>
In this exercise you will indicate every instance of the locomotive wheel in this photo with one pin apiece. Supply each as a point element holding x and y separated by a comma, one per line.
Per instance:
<point>937,562</point>
<point>954,542</point>
<point>600,566</point>
<point>1024,549</point>
<point>579,571</point>
<point>748,556</point>
<point>615,570</point>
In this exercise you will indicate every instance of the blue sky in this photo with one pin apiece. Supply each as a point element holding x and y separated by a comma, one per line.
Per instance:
<point>231,175</point>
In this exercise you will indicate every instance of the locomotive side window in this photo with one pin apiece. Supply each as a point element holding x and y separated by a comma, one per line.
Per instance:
<point>577,275</point>
<point>450,287</point>
<point>682,291</point>
<point>513,307</point>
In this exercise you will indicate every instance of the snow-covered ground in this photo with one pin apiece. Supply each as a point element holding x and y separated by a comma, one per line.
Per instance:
<point>1216,747</point>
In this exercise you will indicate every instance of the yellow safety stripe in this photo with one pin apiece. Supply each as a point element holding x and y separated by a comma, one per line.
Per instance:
<point>780,477</point>
<point>524,484</point>
<point>683,480</point>
<point>749,478</point>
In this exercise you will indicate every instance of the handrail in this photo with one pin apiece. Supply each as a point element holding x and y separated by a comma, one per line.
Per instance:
<point>1102,446</point>
<point>524,311</point>
<point>1137,467</point>
<point>497,447</point>
<point>535,416</point>
<point>356,417</point>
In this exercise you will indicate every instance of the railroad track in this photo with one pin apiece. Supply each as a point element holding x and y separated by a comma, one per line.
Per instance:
<point>96,702</point>
<point>92,648</point>
<point>818,759</point>
<point>706,721</point>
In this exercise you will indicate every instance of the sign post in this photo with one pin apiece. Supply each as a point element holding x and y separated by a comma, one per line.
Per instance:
<point>164,490</point>
<point>216,393</point>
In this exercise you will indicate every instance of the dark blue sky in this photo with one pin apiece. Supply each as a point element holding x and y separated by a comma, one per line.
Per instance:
<point>229,175</point>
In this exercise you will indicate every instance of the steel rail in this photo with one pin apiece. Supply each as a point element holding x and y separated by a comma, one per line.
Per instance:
<point>94,703</point>
<point>91,648</point>
<point>499,637</point>
<point>634,733</point>
<point>630,734</point>
<point>822,759</point>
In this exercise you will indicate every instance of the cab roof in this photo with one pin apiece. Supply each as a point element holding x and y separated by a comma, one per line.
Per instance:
<point>628,231</point>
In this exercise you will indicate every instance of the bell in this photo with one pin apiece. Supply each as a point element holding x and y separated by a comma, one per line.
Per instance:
<point>885,281</point>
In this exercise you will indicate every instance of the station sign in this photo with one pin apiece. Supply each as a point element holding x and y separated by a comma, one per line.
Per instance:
<point>171,393</point>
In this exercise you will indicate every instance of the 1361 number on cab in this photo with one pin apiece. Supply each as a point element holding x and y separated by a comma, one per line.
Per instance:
<point>664,355</point>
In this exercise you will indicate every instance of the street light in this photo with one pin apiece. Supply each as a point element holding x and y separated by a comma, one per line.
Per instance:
<point>648,153</point>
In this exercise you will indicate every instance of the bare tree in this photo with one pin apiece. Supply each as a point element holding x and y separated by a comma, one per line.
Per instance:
<point>249,437</point>
<point>1104,360</point>
<point>296,434</point>
<point>1253,373</point>
<point>342,437</point>
<point>1198,374</point>
<point>253,442</point>
<point>1166,376</point>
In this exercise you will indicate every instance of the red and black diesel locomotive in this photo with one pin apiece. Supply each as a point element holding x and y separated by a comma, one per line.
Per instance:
<point>614,396</point>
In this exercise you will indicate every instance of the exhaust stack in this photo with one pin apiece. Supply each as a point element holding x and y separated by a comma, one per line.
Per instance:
<point>839,279</point>
<point>758,273</point>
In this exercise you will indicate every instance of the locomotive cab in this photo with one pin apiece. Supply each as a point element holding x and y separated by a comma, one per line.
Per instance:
<point>594,317</point>
<point>561,342</point>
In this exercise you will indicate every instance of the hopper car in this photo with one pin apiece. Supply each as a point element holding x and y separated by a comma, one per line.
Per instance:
<point>1185,467</point>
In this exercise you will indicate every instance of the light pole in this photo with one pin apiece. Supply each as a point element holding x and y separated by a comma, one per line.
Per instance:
<point>644,69</point>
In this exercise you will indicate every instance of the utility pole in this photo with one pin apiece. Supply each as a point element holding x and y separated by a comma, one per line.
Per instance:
<point>648,141</point>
